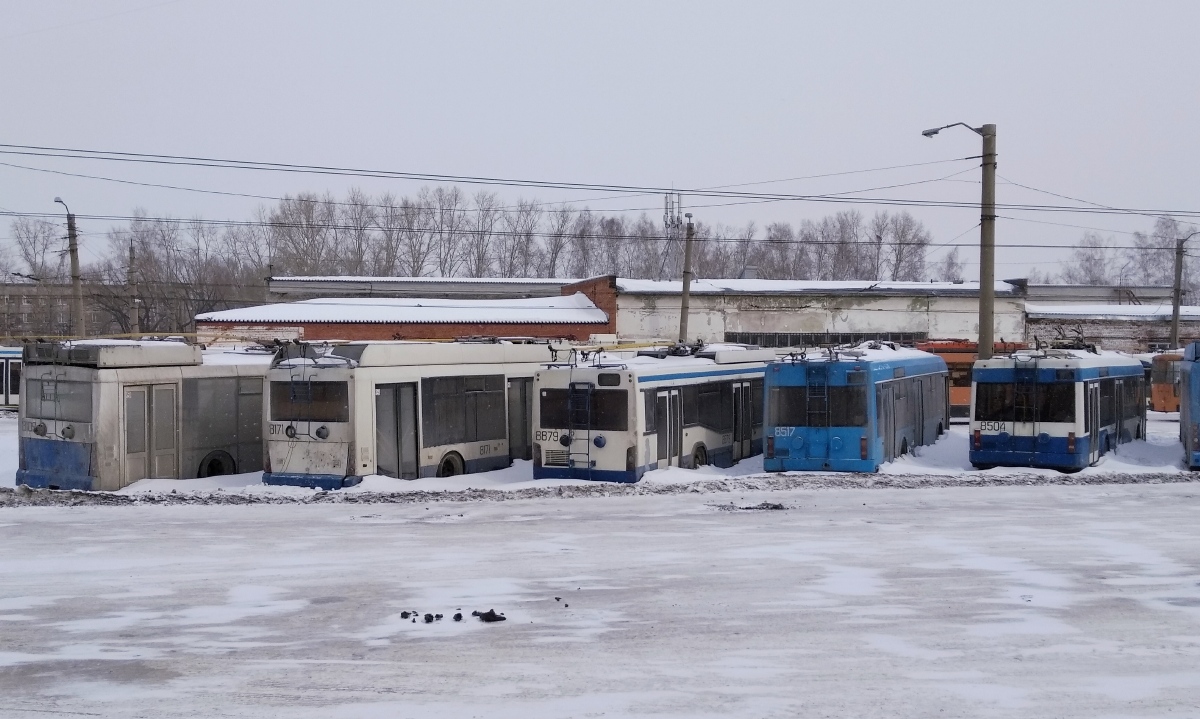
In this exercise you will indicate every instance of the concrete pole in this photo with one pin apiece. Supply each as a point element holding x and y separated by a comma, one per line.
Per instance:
<point>1177,294</point>
<point>687,280</point>
<point>131,279</point>
<point>987,245</point>
<point>77,323</point>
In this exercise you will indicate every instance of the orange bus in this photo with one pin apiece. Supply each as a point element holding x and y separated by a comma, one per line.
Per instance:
<point>1164,382</point>
<point>960,356</point>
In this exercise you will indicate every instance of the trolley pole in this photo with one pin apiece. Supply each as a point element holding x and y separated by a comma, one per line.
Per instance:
<point>77,324</point>
<point>687,280</point>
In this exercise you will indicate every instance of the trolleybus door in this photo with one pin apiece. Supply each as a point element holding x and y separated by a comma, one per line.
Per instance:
<point>151,446</point>
<point>669,421</point>
<point>1092,418</point>
<point>396,430</point>
<point>742,420</point>
<point>520,414</point>
<point>12,376</point>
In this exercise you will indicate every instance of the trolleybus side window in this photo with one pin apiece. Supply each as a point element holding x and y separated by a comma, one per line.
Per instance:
<point>303,401</point>
<point>462,409</point>
<point>651,412</point>
<point>1133,397</point>
<point>1108,413</point>
<point>59,400</point>
<point>691,405</point>
<point>716,406</point>
<point>14,378</point>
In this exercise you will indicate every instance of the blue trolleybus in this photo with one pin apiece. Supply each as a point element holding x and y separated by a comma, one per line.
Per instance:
<point>854,409</point>
<point>1056,408</point>
<point>614,418</point>
<point>1189,405</point>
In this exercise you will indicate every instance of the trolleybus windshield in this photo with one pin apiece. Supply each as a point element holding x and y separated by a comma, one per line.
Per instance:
<point>1041,402</point>
<point>58,400</point>
<point>310,402</point>
<point>797,406</point>
<point>609,409</point>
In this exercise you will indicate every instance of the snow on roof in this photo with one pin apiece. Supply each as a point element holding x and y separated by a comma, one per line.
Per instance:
<point>751,287</point>
<point>1109,312</point>
<point>432,280</point>
<point>864,352</point>
<point>573,309</point>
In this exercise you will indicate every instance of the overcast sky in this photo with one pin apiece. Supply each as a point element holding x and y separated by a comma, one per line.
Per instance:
<point>1096,100</point>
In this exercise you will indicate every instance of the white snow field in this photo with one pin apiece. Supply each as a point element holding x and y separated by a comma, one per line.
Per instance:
<point>1017,601</point>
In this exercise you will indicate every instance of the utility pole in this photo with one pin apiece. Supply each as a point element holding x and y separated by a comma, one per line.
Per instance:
<point>687,280</point>
<point>1177,294</point>
<point>987,245</point>
<point>672,221</point>
<point>131,280</point>
<point>77,324</point>
<point>987,236</point>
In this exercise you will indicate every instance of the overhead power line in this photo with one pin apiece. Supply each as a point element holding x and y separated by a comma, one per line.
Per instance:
<point>219,163</point>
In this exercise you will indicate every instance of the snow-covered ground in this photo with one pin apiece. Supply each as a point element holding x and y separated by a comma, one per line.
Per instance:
<point>1160,453</point>
<point>1021,601</point>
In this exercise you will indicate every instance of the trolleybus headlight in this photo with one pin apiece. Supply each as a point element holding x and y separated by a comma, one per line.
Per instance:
<point>1043,438</point>
<point>599,441</point>
<point>322,433</point>
<point>290,432</point>
<point>67,432</point>
<point>837,443</point>
<point>565,440</point>
<point>40,429</point>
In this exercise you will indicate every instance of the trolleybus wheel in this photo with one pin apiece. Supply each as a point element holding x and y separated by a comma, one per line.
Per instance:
<point>982,467</point>
<point>941,430</point>
<point>215,464</point>
<point>451,465</point>
<point>699,456</point>
<point>903,447</point>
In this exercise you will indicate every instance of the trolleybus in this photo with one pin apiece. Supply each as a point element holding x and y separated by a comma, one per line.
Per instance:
<point>102,414</point>
<point>611,418</point>
<point>10,377</point>
<point>1164,382</point>
<point>1056,408</point>
<point>1189,405</point>
<point>401,409</point>
<point>853,409</point>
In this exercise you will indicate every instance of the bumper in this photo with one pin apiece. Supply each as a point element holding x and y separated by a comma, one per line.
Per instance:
<point>51,480</point>
<point>1045,460</point>
<point>818,464</point>
<point>597,475</point>
<point>311,481</point>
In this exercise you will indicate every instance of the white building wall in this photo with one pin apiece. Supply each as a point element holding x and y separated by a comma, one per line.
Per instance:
<point>711,316</point>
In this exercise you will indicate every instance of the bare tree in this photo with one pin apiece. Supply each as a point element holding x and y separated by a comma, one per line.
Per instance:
<point>908,242</point>
<point>480,233</point>
<point>447,222</point>
<point>517,247</point>
<point>558,239</point>
<point>353,232</point>
<point>950,269</point>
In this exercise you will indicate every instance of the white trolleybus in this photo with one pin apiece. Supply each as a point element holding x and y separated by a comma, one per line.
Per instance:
<point>10,377</point>
<point>606,418</point>
<point>401,409</point>
<point>1055,408</point>
<point>102,414</point>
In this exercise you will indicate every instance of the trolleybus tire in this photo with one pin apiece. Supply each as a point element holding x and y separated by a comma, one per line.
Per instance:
<point>903,447</point>
<point>451,465</point>
<point>940,431</point>
<point>982,467</point>
<point>215,464</point>
<point>699,456</point>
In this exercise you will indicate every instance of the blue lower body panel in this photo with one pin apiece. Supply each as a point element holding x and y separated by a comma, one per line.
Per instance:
<point>1026,451</point>
<point>818,464</point>
<point>598,475</point>
<point>55,464</point>
<point>311,481</point>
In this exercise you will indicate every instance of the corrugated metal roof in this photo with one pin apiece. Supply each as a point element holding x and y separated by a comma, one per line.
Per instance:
<point>1109,312</point>
<point>574,309</point>
<point>790,287</point>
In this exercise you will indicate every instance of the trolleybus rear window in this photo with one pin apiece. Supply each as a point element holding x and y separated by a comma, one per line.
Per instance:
<point>62,400</point>
<point>1042,402</point>
<point>609,409</point>
<point>310,402</point>
<point>795,406</point>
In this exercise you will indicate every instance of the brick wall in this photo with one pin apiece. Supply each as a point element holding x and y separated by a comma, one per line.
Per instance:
<point>400,331</point>
<point>602,291</point>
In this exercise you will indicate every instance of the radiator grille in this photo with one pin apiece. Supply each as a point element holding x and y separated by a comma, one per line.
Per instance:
<point>556,458</point>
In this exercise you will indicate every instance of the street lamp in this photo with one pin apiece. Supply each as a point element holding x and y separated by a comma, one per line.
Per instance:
<point>1177,295</point>
<point>76,284</point>
<point>987,235</point>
